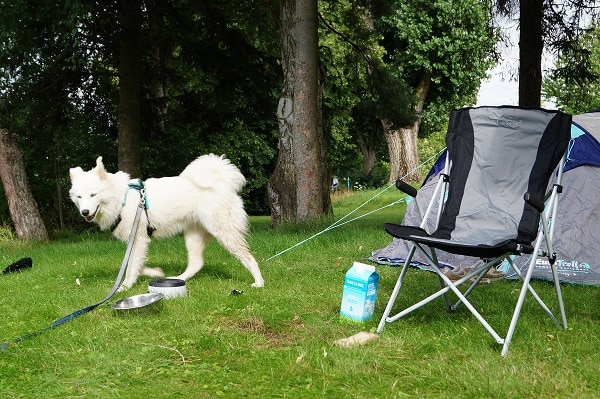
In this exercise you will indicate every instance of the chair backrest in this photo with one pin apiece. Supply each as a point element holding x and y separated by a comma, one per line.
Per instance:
<point>497,155</point>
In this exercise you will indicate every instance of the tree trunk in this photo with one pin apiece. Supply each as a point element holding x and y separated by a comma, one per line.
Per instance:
<point>299,187</point>
<point>367,149</point>
<point>531,46</point>
<point>281,189</point>
<point>23,208</point>
<point>392,137</point>
<point>325,189</point>
<point>130,70</point>
<point>404,158</point>
<point>161,59</point>
<point>402,143</point>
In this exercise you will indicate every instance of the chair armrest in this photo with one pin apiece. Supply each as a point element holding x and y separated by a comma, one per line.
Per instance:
<point>535,202</point>
<point>406,188</point>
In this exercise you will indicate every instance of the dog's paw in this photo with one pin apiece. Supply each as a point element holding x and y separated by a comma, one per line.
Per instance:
<point>258,284</point>
<point>153,272</point>
<point>123,288</point>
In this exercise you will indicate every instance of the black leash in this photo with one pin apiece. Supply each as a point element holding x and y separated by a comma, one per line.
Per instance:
<point>116,285</point>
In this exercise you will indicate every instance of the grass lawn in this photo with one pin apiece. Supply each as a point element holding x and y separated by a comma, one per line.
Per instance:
<point>278,341</point>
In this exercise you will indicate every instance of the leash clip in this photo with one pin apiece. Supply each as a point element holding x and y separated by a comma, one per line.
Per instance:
<point>143,203</point>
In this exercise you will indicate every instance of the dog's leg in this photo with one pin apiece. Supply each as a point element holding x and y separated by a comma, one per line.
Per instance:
<point>152,272</point>
<point>250,263</point>
<point>195,242</point>
<point>235,243</point>
<point>136,261</point>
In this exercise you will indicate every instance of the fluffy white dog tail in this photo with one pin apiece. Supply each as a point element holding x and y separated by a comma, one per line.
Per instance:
<point>211,171</point>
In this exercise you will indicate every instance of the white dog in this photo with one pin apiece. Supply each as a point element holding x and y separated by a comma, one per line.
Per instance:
<point>202,202</point>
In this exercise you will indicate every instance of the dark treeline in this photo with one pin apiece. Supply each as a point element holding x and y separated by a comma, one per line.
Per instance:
<point>210,75</point>
<point>210,79</point>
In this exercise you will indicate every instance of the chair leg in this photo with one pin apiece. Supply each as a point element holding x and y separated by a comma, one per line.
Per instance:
<point>471,308</point>
<point>441,280</point>
<point>480,273</point>
<point>519,305</point>
<point>527,287</point>
<point>449,285</point>
<point>561,304</point>
<point>446,298</point>
<point>539,300</point>
<point>396,290</point>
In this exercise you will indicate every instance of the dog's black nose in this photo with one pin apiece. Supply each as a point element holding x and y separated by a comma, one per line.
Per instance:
<point>85,212</point>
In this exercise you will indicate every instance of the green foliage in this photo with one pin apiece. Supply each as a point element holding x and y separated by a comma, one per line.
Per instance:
<point>7,233</point>
<point>392,99</point>
<point>349,50</point>
<point>572,90</point>
<point>278,341</point>
<point>222,98</point>
<point>430,148</point>
<point>376,179</point>
<point>59,91</point>
<point>222,78</point>
<point>452,39</point>
<point>219,64</point>
<point>55,93</point>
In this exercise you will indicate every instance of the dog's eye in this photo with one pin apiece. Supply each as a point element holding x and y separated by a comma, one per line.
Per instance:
<point>93,194</point>
<point>79,196</point>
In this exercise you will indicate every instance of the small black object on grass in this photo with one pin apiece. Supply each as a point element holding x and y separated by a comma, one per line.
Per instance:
<point>21,264</point>
<point>236,292</point>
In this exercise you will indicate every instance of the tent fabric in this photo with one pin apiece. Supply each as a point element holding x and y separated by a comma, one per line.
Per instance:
<point>585,141</point>
<point>577,231</point>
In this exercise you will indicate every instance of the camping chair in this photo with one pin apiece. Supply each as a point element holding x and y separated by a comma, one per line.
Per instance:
<point>490,200</point>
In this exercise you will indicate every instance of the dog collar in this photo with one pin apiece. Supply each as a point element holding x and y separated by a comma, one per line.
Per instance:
<point>115,223</point>
<point>136,184</point>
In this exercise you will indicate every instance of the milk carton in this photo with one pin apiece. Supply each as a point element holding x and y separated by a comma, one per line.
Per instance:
<point>360,292</point>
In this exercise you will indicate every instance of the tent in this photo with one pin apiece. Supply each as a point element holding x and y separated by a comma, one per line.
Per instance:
<point>577,232</point>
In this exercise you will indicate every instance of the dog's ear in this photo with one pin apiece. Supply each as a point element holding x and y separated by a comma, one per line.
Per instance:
<point>73,172</point>
<point>100,168</point>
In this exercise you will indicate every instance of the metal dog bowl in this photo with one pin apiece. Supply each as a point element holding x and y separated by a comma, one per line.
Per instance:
<point>140,301</point>
<point>169,287</point>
